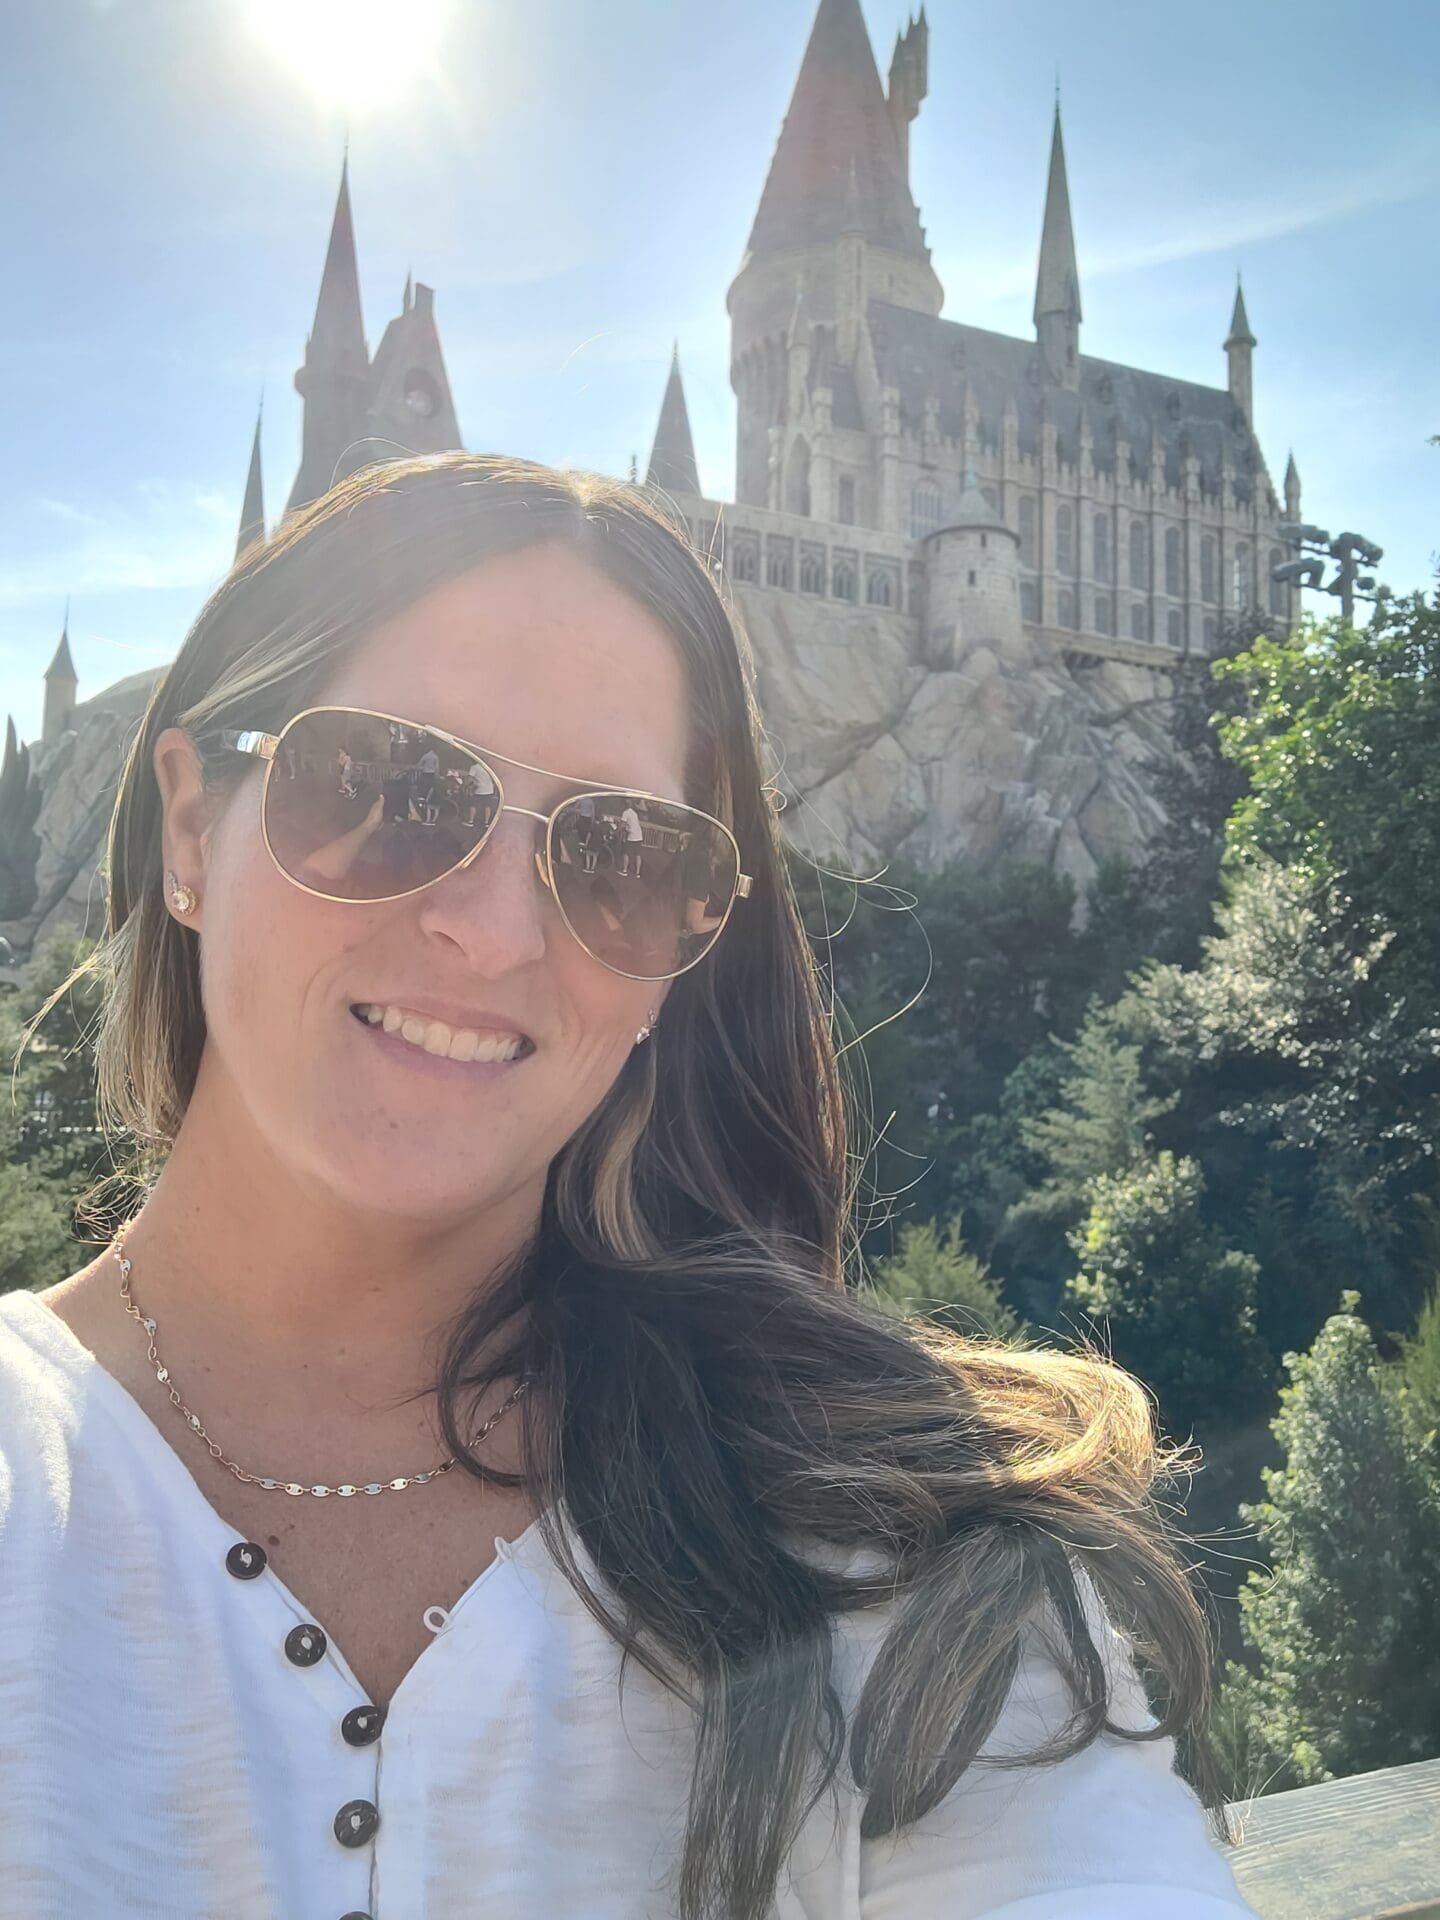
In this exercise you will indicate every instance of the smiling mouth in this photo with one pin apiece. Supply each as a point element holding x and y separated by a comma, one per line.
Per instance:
<point>444,1042</point>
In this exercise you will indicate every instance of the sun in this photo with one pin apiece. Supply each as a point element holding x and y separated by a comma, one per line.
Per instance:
<point>353,53</point>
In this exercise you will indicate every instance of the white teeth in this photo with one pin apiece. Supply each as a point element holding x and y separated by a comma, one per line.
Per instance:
<point>434,1037</point>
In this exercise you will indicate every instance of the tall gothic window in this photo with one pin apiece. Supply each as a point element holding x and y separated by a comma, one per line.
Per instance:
<point>845,511</point>
<point>812,573</point>
<point>1102,546</point>
<point>1277,587</point>
<point>926,509</point>
<point>1139,621</point>
<point>1065,607</point>
<point>1241,572</point>
<point>1209,571</point>
<point>1064,540</point>
<point>1104,613</point>
<point>1172,562</point>
<point>842,583</point>
<point>1139,555</point>
<point>1210,633</point>
<point>879,588</point>
<point>1173,632</point>
<point>1027,530</point>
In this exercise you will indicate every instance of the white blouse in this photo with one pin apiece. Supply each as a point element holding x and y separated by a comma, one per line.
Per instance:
<point>180,1741</point>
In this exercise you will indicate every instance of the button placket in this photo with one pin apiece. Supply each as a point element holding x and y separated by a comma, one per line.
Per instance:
<point>305,1646</point>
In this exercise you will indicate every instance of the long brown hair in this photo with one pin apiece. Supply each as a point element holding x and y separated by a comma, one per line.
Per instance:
<point>708,1389</point>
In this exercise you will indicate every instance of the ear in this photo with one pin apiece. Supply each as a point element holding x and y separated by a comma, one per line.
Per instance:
<point>188,811</point>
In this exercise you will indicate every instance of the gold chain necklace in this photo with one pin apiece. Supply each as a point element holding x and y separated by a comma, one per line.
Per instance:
<point>344,1492</point>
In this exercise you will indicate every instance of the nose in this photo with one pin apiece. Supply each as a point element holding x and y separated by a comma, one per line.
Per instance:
<point>496,909</point>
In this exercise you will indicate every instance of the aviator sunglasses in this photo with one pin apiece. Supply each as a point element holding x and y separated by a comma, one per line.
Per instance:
<point>362,806</point>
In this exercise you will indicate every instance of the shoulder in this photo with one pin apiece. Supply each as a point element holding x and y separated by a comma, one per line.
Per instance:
<point>1114,1830</point>
<point>42,1394</point>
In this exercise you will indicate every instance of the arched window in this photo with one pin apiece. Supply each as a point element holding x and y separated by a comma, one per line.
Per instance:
<point>879,588</point>
<point>1029,600</point>
<point>1210,634</point>
<point>812,573</point>
<point>845,510</point>
<point>1065,607</point>
<point>747,564</point>
<point>1172,562</point>
<point>842,584</point>
<point>1064,540</point>
<point>1209,571</point>
<point>926,509</point>
<point>1104,613</point>
<point>1102,547</point>
<point>797,478</point>
<point>777,568</point>
<point>1173,628</point>
<point>1139,555</point>
<point>1139,621</point>
<point>1240,570</point>
<point>1027,530</point>
<point>1277,587</point>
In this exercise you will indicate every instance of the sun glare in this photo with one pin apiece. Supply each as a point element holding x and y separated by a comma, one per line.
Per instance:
<point>353,53</point>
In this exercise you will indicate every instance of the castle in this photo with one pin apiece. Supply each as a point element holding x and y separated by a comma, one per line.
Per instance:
<point>966,562</point>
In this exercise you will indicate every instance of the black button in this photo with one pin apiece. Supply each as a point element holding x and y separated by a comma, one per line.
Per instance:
<point>362,1725</point>
<point>355,1916</point>
<point>356,1822</point>
<point>305,1645</point>
<point>245,1560</point>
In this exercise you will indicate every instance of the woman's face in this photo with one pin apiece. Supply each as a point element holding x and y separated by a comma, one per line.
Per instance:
<point>536,656</point>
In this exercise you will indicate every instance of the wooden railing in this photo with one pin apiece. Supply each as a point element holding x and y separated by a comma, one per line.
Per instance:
<point>1365,1848</point>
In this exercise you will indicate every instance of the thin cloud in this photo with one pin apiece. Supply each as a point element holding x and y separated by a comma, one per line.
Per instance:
<point>1410,171</point>
<point>165,537</point>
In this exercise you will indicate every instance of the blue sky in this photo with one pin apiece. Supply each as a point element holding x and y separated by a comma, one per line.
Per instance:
<point>577,182</point>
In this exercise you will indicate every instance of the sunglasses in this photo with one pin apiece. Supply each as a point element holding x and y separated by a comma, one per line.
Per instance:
<point>361,806</point>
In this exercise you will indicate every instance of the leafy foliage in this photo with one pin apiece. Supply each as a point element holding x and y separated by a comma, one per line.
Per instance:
<point>1349,1675</point>
<point>1179,1303</point>
<point>938,1278</point>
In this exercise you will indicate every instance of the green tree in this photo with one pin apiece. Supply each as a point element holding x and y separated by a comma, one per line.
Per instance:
<point>36,1248</point>
<point>1338,748</point>
<point>936,1276</point>
<point>1343,1627</point>
<point>1177,1303</point>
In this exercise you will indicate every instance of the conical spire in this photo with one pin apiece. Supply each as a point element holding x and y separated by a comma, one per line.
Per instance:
<point>838,115</point>
<point>339,329</point>
<point>252,514</point>
<point>62,667</point>
<point>672,459</point>
<point>1057,286</point>
<point>1240,334</point>
<point>973,509</point>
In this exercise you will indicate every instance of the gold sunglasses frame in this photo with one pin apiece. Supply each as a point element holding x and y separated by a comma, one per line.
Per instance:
<point>265,746</point>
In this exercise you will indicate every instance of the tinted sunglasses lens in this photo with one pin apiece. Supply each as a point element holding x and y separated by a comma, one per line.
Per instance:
<point>360,807</point>
<point>644,884</point>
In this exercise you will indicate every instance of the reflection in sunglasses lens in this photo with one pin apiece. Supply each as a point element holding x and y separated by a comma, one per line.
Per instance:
<point>361,808</point>
<point>645,884</point>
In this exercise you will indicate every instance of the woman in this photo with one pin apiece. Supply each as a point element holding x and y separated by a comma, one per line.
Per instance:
<point>466,1173</point>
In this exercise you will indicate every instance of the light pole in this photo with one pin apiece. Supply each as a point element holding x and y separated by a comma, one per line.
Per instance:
<point>1349,551</point>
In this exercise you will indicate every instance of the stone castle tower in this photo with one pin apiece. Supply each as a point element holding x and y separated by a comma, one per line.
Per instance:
<point>967,563</point>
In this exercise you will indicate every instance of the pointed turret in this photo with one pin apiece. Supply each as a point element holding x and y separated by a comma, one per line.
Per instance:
<point>60,685</point>
<point>839,113</point>
<point>672,458</point>
<point>333,379</point>
<point>411,407</point>
<point>252,514</point>
<point>1057,285</point>
<point>1238,347</point>
<point>909,82</point>
<point>1292,489</point>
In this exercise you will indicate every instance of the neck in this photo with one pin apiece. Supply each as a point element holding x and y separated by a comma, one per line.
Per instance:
<point>262,1282</point>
